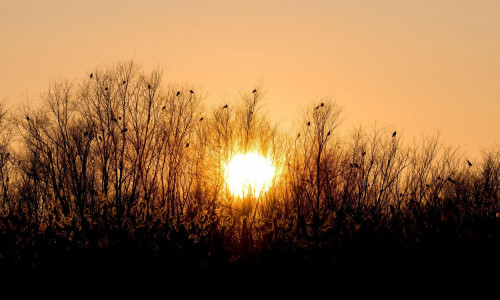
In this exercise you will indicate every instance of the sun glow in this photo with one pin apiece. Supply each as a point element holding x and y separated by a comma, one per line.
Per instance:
<point>249,174</point>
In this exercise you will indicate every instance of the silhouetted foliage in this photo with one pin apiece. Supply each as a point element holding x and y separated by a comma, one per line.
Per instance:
<point>121,160</point>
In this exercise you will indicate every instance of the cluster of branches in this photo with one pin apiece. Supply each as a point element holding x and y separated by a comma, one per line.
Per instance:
<point>121,150</point>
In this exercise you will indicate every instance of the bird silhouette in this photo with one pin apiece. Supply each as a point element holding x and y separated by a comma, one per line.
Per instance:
<point>308,123</point>
<point>254,91</point>
<point>201,119</point>
<point>187,145</point>
<point>106,88</point>
<point>8,154</point>
<point>149,86</point>
<point>225,106</point>
<point>178,93</point>
<point>322,104</point>
<point>124,130</point>
<point>328,134</point>
<point>124,81</point>
<point>163,108</point>
<point>27,118</point>
<point>191,91</point>
<point>91,75</point>
<point>355,165</point>
<point>394,134</point>
<point>298,135</point>
<point>469,163</point>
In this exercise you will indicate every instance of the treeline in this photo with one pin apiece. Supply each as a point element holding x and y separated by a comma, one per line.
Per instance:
<point>123,151</point>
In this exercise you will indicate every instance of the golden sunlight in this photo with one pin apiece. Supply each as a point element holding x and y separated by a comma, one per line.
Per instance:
<point>249,174</point>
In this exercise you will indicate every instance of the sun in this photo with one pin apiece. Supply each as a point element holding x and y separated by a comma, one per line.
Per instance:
<point>249,174</point>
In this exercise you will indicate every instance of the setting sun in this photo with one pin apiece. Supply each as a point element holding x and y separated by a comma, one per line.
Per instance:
<point>249,173</point>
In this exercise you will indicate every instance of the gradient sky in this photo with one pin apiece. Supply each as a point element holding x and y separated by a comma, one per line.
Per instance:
<point>421,66</point>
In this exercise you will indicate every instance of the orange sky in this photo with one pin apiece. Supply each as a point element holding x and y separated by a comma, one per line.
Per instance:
<point>419,65</point>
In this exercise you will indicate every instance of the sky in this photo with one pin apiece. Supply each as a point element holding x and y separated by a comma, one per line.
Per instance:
<point>416,66</point>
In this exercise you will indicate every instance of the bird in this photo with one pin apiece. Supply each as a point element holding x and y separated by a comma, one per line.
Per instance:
<point>149,86</point>
<point>469,163</point>
<point>8,154</point>
<point>328,134</point>
<point>322,104</point>
<point>119,118</point>
<point>355,165</point>
<point>124,130</point>
<point>27,118</point>
<point>201,119</point>
<point>106,88</point>
<point>308,123</point>
<point>124,81</point>
<point>19,163</point>
<point>187,145</point>
<point>91,75</point>
<point>225,106</point>
<point>178,93</point>
<point>298,135</point>
<point>163,108</point>
<point>254,91</point>
<point>394,134</point>
<point>191,91</point>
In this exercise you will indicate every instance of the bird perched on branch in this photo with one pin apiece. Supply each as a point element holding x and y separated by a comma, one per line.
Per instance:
<point>149,86</point>
<point>178,93</point>
<point>124,130</point>
<point>191,91</point>
<point>187,145</point>
<point>225,106</point>
<point>201,119</point>
<point>308,123</point>
<point>163,108</point>
<point>394,134</point>
<point>469,163</point>
<point>91,75</point>
<point>322,104</point>
<point>254,91</point>
<point>27,118</point>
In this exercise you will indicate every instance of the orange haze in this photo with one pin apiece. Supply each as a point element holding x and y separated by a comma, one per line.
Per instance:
<point>419,65</point>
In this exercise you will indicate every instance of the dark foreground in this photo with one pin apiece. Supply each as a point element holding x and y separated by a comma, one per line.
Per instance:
<point>365,253</point>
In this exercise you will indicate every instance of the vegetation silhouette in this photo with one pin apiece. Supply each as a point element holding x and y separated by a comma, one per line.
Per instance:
<point>82,190</point>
